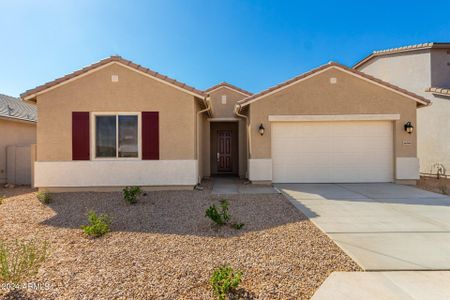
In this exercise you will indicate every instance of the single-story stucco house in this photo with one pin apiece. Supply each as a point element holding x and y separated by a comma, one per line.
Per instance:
<point>115,123</point>
<point>17,134</point>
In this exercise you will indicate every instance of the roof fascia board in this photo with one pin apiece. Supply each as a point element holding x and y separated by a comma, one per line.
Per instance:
<point>325,69</point>
<point>381,54</point>
<point>28,98</point>
<point>230,88</point>
<point>18,120</point>
<point>34,95</point>
<point>383,86</point>
<point>162,81</point>
<point>439,94</point>
<point>400,50</point>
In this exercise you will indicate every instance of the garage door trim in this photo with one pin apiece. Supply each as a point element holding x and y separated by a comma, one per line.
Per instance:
<point>352,117</point>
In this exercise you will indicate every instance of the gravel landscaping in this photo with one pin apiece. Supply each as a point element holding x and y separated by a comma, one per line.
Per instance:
<point>164,248</point>
<point>432,184</point>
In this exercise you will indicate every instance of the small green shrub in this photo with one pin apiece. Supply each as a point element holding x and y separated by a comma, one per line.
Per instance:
<point>214,214</point>
<point>20,261</point>
<point>224,280</point>
<point>98,225</point>
<point>43,197</point>
<point>219,217</point>
<point>130,193</point>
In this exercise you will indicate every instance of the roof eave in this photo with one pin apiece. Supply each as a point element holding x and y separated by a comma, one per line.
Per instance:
<point>14,119</point>
<point>32,94</point>
<point>420,100</point>
<point>228,86</point>
<point>393,51</point>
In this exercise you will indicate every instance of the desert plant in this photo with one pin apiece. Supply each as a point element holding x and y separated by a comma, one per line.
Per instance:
<point>130,193</point>
<point>219,217</point>
<point>224,208</point>
<point>237,225</point>
<point>214,215</point>
<point>444,190</point>
<point>224,280</point>
<point>98,225</point>
<point>43,197</point>
<point>21,260</point>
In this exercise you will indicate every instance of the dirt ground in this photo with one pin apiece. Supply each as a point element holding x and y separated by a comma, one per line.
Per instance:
<point>163,247</point>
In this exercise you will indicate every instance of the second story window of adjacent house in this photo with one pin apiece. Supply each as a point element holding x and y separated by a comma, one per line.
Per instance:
<point>116,136</point>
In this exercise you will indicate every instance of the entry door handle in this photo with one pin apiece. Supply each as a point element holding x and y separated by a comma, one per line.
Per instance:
<point>218,156</point>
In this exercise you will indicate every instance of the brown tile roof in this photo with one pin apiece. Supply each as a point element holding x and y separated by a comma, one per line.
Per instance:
<point>110,59</point>
<point>439,91</point>
<point>401,50</point>
<point>323,67</point>
<point>229,85</point>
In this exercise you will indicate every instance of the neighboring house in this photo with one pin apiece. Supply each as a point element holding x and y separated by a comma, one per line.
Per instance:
<point>17,133</point>
<point>115,123</point>
<point>425,70</point>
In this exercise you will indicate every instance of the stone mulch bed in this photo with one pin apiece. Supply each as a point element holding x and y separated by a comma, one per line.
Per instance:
<point>164,248</point>
<point>432,184</point>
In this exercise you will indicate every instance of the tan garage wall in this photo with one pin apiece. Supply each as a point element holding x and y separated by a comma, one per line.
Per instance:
<point>134,92</point>
<point>14,133</point>
<point>318,96</point>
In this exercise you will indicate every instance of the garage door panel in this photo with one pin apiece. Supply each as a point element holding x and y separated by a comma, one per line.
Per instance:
<point>304,162</point>
<point>332,151</point>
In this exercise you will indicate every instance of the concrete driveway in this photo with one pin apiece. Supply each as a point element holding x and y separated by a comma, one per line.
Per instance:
<point>381,226</point>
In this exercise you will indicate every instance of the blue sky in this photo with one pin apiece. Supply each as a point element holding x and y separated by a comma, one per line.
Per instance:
<point>252,44</point>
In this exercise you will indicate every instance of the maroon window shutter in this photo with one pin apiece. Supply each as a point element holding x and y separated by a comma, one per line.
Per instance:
<point>80,135</point>
<point>150,135</point>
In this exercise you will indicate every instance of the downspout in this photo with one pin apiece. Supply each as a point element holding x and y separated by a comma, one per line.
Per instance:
<point>207,103</point>
<point>237,108</point>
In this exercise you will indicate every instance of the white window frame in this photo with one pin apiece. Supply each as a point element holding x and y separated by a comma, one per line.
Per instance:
<point>93,116</point>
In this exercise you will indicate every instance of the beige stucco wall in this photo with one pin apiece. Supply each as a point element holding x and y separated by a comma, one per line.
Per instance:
<point>416,71</point>
<point>18,133</point>
<point>205,145</point>
<point>134,92</point>
<point>409,70</point>
<point>316,96</point>
<point>440,69</point>
<point>225,110</point>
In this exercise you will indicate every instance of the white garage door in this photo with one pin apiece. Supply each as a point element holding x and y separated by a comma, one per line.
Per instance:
<point>317,152</point>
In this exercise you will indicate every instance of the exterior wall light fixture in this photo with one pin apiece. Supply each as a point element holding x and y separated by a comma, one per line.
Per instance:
<point>409,128</point>
<point>261,129</point>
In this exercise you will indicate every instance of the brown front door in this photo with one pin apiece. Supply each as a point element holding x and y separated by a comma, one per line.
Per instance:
<point>224,140</point>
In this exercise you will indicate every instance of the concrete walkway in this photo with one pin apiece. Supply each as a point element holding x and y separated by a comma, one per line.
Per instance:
<point>234,185</point>
<point>422,285</point>
<point>381,226</point>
